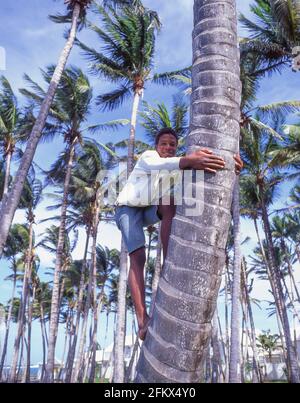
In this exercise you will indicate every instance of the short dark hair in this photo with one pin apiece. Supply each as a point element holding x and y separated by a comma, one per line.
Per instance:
<point>166,130</point>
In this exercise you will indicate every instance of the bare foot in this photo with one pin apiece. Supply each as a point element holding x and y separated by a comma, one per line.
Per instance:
<point>143,329</point>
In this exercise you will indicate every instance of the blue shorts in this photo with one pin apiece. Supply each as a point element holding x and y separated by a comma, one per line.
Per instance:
<point>132,220</point>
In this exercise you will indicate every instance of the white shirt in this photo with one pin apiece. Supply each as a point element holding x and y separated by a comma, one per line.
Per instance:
<point>143,186</point>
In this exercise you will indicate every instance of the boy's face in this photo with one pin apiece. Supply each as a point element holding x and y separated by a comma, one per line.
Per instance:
<point>167,146</point>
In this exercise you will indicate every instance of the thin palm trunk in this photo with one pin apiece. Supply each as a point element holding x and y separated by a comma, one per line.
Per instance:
<point>7,175</point>
<point>289,295</point>
<point>122,286</point>
<point>82,341</point>
<point>223,344</point>
<point>97,312</point>
<point>243,349</point>
<point>44,339</point>
<point>12,200</point>
<point>131,140</point>
<point>21,362</point>
<point>119,372</point>
<point>130,368</point>
<point>22,317</point>
<point>8,323</point>
<point>290,269</point>
<point>72,350</point>
<point>216,364</point>
<point>234,363</point>
<point>26,378</point>
<point>180,331</point>
<point>53,326</point>
<point>97,302</point>
<point>297,248</point>
<point>227,339</point>
<point>157,270</point>
<point>271,280</point>
<point>257,373</point>
<point>292,364</point>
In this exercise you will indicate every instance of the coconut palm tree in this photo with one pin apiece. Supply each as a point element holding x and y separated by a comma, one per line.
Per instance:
<point>106,261</point>
<point>128,43</point>
<point>41,312</point>
<point>71,107</point>
<point>281,228</point>
<point>294,225</point>
<point>235,360</point>
<point>16,245</point>
<point>262,173</point>
<point>87,188</point>
<point>126,59</point>
<point>184,309</point>
<point>274,31</point>
<point>24,265</point>
<point>268,342</point>
<point>30,198</point>
<point>76,9</point>
<point>11,132</point>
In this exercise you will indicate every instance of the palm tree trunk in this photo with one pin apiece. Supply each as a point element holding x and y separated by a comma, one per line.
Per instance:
<point>130,367</point>
<point>242,348</point>
<point>119,372</point>
<point>7,175</point>
<point>22,317</point>
<point>53,326</point>
<point>157,270</point>
<point>12,201</point>
<point>235,359</point>
<point>289,295</point>
<point>216,364</point>
<point>28,360</point>
<point>290,269</point>
<point>227,339</point>
<point>122,286</point>
<point>44,340</point>
<point>292,364</point>
<point>72,350</point>
<point>8,322</point>
<point>224,351</point>
<point>257,373</point>
<point>297,248</point>
<point>97,312</point>
<point>69,324</point>
<point>80,355</point>
<point>97,302</point>
<point>271,280</point>
<point>175,345</point>
<point>131,141</point>
<point>21,362</point>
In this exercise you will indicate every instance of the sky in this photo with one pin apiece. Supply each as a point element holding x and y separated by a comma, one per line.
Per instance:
<point>30,41</point>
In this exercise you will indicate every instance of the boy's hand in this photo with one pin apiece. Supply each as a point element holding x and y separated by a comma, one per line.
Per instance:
<point>238,164</point>
<point>202,160</point>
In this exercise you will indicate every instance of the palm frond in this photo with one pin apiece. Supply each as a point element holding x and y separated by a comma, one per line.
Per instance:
<point>114,99</point>
<point>171,77</point>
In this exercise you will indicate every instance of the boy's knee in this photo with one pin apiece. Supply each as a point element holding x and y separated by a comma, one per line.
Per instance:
<point>138,256</point>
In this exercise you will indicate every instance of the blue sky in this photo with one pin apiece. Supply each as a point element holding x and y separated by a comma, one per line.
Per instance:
<point>31,41</point>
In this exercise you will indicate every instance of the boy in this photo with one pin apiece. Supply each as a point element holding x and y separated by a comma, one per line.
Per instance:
<point>139,205</point>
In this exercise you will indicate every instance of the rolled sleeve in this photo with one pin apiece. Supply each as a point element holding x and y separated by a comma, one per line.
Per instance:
<point>150,160</point>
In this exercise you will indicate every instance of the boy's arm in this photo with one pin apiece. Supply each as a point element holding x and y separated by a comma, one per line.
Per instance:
<point>202,160</point>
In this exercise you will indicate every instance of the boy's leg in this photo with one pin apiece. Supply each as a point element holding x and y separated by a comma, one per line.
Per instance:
<point>130,221</point>
<point>167,213</point>
<point>137,288</point>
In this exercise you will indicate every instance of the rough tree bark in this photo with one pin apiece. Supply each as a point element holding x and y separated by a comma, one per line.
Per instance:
<point>180,330</point>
